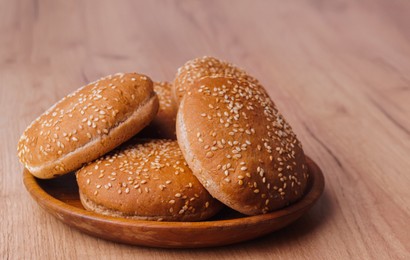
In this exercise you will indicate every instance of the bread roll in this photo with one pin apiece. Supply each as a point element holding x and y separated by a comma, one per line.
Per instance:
<point>239,146</point>
<point>201,67</point>
<point>147,179</point>
<point>87,123</point>
<point>163,125</point>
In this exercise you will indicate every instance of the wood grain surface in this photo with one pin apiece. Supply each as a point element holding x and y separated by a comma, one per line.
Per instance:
<point>338,70</point>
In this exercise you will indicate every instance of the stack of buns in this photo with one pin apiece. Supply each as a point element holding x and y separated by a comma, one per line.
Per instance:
<point>174,152</point>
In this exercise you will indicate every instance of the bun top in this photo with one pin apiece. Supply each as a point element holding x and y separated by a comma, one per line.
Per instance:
<point>205,66</point>
<point>163,90</point>
<point>239,146</point>
<point>80,117</point>
<point>163,125</point>
<point>147,179</point>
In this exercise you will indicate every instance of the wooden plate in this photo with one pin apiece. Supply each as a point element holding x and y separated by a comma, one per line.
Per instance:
<point>60,198</point>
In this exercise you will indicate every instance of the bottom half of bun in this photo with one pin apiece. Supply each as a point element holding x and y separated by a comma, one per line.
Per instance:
<point>197,216</point>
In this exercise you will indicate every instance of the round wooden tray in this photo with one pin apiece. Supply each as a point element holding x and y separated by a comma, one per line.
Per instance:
<point>60,198</point>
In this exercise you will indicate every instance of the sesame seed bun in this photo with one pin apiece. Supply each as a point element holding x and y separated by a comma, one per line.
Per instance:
<point>163,125</point>
<point>145,179</point>
<point>239,146</point>
<point>198,68</point>
<point>87,123</point>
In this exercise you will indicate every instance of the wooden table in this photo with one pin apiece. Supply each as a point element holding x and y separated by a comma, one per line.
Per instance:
<point>338,70</point>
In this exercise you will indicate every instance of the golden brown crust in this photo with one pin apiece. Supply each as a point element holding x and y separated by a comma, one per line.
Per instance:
<point>87,123</point>
<point>163,125</point>
<point>145,179</point>
<point>239,146</point>
<point>198,68</point>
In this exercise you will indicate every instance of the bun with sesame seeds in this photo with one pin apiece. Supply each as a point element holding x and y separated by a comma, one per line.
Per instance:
<point>239,146</point>
<point>87,124</point>
<point>163,125</point>
<point>198,68</point>
<point>145,179</point>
